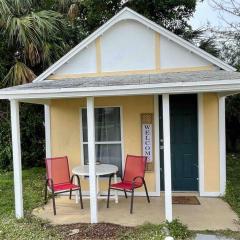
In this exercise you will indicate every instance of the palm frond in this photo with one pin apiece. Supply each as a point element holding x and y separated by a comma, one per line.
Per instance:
<point>21,6</point>
<point>19,74</point>
<point>31,31</point>
<point>31,53</point>
<point>47,23</point>
<point>4,8</point>
<point>35,27</point>
<point>64,4</point>
<point>51,52</point>
<point>21,31</point>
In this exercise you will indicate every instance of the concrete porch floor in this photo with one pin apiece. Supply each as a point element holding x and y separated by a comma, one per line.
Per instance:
<point>212,214</point>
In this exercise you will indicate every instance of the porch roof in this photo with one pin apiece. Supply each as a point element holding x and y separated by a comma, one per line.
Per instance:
<point>180,82</point>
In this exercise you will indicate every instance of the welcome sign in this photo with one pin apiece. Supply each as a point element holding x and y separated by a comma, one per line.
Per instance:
<point>147,141</point>
<point>147,138</point>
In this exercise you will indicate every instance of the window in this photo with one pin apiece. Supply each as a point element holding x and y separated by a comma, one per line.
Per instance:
<point>107,136</point>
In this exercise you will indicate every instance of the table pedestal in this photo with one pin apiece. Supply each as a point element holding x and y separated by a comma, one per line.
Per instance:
<point>114,197</point>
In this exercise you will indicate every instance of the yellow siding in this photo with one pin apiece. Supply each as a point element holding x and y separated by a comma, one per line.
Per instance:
<point>65,132</point>
<point>65,125</point>
<point>211,143</point>
<point>65,129</point>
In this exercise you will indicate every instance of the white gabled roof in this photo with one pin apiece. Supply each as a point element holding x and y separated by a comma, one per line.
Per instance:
<point>128,14</point>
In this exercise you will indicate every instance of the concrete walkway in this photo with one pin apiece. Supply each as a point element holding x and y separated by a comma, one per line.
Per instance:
<point>211,237</point>
<point>211,214</point>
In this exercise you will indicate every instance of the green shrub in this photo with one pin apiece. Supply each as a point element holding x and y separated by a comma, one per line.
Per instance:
<point>149,231</point>
<point>177,230</point>
<point>32,136</point>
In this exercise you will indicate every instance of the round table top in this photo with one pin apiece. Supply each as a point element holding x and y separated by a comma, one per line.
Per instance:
<point>101,169</point>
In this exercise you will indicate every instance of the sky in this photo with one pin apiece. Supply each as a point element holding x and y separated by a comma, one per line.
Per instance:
<point>205,13</point>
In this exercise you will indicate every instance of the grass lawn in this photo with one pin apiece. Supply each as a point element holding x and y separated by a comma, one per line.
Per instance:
<point>233,182</point>
<point>29,227</point>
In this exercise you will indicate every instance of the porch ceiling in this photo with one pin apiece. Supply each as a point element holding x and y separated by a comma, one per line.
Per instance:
<point>180,82</point>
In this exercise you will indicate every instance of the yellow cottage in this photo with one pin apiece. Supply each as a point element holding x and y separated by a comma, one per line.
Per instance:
<point>132,74</point>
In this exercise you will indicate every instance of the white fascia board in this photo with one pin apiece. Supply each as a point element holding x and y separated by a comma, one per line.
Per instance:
<point>128,14</point>
<point>144,89</point>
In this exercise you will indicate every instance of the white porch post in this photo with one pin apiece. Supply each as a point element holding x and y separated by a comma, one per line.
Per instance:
<point>222,144</point>
<point>91,159</point>
<point>167,157</point>
<point>17,165</point>
<point>156,143</point>
<point>47,121</point>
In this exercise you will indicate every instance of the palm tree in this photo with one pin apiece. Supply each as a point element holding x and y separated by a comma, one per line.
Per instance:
<point>33,37</point>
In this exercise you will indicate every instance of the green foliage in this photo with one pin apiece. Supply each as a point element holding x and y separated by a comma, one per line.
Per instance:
<point>28,29</point>
<point>158,231</point>
<point>32,135</point>
<point>233,123</point>
<point>5,136</point>
<point>232,195</point>
<point>19,73</point>
<point>146,232</point>
<point>178,230</point>
<point>209,45</point>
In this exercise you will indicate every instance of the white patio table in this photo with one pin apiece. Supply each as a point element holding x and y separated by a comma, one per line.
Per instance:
<point>101,170</point>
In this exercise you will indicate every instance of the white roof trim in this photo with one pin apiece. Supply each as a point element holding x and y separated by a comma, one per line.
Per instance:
<point>176,87</point>
<point>128,14</point>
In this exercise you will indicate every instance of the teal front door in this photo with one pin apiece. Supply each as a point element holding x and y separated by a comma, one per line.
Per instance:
<point>184,142</point>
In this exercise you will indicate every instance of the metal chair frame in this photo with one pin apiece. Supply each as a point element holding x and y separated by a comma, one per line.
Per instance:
<point>127,190</point>
<point>49,183</point>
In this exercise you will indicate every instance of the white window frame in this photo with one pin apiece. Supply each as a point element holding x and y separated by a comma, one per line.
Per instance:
<point>106,142</point>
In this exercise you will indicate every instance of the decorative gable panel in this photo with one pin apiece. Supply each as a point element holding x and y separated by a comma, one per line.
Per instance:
<point>175,56</point>
<point>128,46</point>
<point>83,62</point>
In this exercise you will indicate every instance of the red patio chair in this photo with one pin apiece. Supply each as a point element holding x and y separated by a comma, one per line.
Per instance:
<point>133,178</point>
<point>58,179</point>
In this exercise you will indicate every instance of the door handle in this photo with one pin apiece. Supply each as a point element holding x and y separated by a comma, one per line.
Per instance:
<point>161,146</point>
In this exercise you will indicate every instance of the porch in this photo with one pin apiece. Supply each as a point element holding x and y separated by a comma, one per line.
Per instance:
<point>88,93</point>
<point>211,214</point>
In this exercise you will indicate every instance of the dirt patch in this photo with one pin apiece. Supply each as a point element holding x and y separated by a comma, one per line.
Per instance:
<point>93,231</point>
